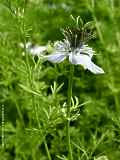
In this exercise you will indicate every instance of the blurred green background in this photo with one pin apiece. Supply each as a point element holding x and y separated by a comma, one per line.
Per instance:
<point>96,133</point>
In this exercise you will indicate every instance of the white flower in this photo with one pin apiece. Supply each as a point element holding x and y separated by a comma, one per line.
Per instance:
<point>34,49</point>
<point>81,55</point>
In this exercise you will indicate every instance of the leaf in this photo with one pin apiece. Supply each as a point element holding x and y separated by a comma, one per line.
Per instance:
<point>55,88</point>
<point>62,158</point>
<point>29,90</point>
<point>89,25</point>
<point>101,158</point>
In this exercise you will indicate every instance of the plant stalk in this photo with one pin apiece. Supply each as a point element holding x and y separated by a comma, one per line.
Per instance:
<point>70,82</point>
<point>30,78</point>
<point>44,140</point>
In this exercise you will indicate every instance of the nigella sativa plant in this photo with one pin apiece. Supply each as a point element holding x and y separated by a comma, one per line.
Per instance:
<point>75,49</point>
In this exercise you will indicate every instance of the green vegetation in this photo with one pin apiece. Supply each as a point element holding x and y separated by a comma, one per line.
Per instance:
<point>33,92</point>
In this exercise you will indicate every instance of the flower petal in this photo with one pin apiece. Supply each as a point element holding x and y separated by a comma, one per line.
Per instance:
<point>95,69</point>
<point>86,62</point>
<point>73,58</point>
<point>37,50</point>
<point>56,57</point>
<point>83,60</point>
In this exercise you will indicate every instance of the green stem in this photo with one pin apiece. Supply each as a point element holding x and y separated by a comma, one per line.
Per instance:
<point>117,102</point>
<point>44,140</point>
<point>19,112</point>
<point>30,80</point>
<point>47,150</point>
<point>33,103</point>
<point>70,81</point>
